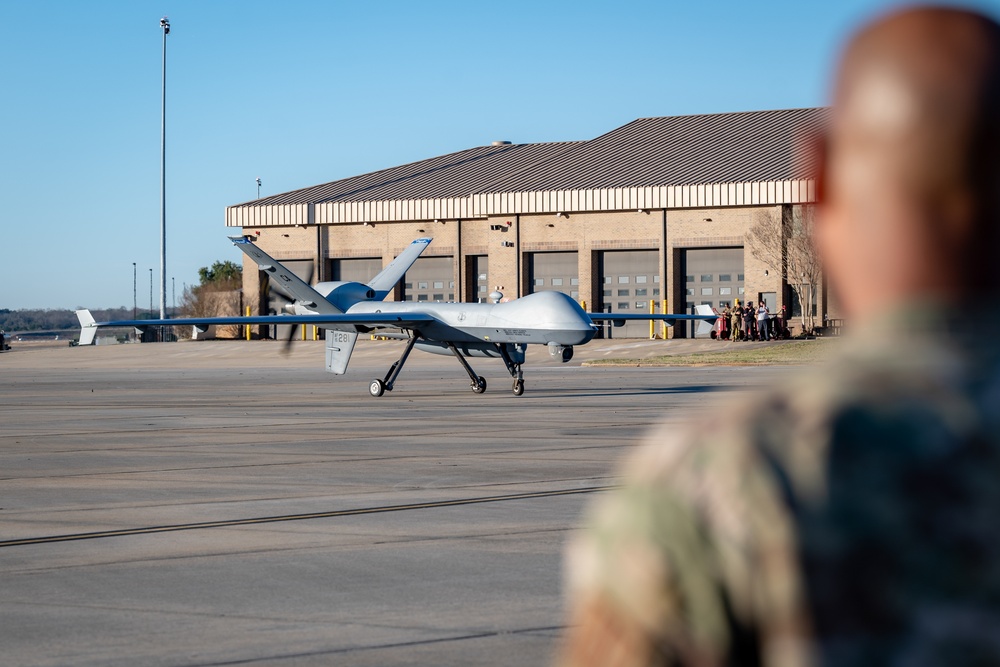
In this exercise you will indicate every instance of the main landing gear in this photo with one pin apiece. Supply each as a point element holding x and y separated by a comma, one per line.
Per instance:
<point>477,382</point>
<point>379,387</point>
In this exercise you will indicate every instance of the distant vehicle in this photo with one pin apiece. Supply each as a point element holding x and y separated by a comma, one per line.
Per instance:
<point>346,309</point>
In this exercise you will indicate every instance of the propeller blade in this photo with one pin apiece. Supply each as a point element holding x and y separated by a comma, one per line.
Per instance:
<point>287,348</point>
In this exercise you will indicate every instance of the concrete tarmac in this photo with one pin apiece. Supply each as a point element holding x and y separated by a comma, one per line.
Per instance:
<point>219,503</point>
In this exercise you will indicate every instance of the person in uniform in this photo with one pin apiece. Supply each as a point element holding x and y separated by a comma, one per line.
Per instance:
<point>848,517</point>
<point>735,325</point>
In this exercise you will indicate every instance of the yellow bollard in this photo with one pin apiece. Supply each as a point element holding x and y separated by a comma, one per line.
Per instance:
<point>315,332</point>
<point>652,323</point>
<point>304,332</point>
<point>663,309</point>
<point>583,304</point>
<point>248,326</point>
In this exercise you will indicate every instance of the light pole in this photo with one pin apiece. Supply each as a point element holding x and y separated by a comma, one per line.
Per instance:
<point>258,187</point>
<point>134,293</point>
<point>151,294</point>
<point>165,24</point>
<point>173,295</point>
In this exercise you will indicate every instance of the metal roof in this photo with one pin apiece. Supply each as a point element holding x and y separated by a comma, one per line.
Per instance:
<point>453,175</point>
<point>727,159</point>
<point>740,147</point>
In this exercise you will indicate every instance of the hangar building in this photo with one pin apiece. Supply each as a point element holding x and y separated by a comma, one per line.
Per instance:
<point>655,210</point>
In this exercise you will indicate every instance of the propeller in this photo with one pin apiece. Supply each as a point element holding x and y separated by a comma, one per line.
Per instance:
<point>294,330</point>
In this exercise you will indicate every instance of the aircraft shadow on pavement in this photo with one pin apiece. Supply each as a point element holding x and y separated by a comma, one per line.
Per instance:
<point>646,391</point>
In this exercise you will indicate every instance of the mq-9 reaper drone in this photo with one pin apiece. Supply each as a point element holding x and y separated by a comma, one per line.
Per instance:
<point>347,309</point>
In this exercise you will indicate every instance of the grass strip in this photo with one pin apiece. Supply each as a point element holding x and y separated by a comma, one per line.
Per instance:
<point>796,352</point>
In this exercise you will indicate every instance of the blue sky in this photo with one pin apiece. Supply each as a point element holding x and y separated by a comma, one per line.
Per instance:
<point>300,93</point>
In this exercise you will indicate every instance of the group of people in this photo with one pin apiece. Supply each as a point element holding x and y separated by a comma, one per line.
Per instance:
<point>749,322</point>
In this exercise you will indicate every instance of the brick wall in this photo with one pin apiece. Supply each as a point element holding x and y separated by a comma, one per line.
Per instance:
<point>585,233</point>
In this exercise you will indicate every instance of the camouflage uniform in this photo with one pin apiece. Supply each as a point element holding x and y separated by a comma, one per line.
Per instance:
<point>736,317</point>
<point>848,518</point>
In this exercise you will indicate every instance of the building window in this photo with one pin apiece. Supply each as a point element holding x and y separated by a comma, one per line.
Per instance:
<point>623,292</point>
<point>438,284</point>
<point>690,291</point>
<point>623,280</point>
<point>639,305</point>
<point>421,297</point>
<point>640,279</point>
<point>574,281</point>
<point>725,278</point>
<point>557,282</point>
<point>421,285</point>
<point>622,305</point>
<point>607,292</point>
<point>739,277</point>
<point>706,277</point>
<point>439,297</point>
<point>725,291</point>
<point>539,282</point>
<point>689,279</point>
<point>706,291</point>
<point>640,291</point>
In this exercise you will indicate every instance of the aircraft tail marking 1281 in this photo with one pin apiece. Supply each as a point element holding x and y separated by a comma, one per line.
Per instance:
<point>346,309</point>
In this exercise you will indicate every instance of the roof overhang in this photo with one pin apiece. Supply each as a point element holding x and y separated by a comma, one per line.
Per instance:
<point>710,195</point>
<point>484,205</point>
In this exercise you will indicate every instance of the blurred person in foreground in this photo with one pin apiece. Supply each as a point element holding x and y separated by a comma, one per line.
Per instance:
<point>851,517</point>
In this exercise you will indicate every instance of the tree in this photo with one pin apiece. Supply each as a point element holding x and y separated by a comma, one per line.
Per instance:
<point>785,244</point>
<point>227,273</point>
<point>219,294</point>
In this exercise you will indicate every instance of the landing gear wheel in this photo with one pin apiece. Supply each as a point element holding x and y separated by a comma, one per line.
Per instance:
<point>518,387</point>
<point>376,388</point>
<point>479,386</point>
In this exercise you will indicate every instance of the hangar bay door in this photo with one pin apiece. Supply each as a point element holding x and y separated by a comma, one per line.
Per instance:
<point>712,276</point>
<point>554,272</point>
<point>355,270</point>
<point>430,279</point>
<point>630,279</point>
<point>477,284</point>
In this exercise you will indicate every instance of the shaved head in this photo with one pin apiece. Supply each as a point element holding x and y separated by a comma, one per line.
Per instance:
<point>911,163</point>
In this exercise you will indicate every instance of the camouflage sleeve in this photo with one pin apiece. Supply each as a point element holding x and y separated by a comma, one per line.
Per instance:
<point>691,562</point>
